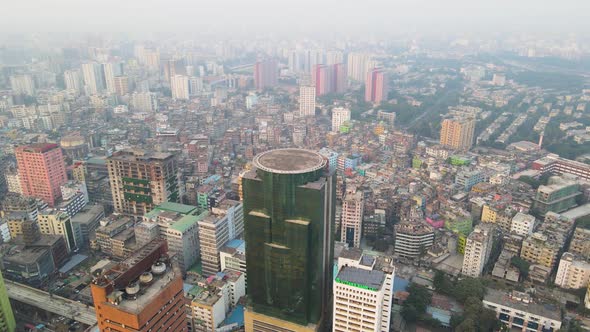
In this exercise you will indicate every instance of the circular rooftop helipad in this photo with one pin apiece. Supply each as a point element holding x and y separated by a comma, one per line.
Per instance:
<point>289,161</point>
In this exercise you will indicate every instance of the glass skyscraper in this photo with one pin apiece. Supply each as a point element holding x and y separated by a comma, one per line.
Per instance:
<point>289,202</point>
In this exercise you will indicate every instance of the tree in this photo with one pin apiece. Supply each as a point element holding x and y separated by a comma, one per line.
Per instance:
<point>468,287</point>
<point>468,325</point>
<point>522,265</point>
<point>415,305</point>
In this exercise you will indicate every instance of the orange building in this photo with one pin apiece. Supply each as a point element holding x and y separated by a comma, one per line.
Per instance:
<point>457,132</point>
<point>42,171</point>
<point>143,293</point>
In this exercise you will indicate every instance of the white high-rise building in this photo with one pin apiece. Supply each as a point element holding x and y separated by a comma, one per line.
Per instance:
<point>72,80</point>
<point>477,250</point>
<point>13,182</point>
<point>111,70</point>
<point>353,207</point>
<point>306,100</point>
<point>340,115</point>
<point>22,84</point>
<point>358,65</point>
<point>363,292</point>
<point>93,78</point>
<point>334,57</point>
<point>179,84</point>
<point>144,101</point>
<point>522,224</point>
<point>225,223</point>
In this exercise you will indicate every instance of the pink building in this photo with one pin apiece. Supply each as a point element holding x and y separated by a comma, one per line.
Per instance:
<point>42,171</point>
<point>376,86</point>
<point>329,78</point>
<point>266,74</point>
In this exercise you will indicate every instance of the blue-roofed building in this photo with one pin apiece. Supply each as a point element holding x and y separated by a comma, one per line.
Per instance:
<point>233,256</point>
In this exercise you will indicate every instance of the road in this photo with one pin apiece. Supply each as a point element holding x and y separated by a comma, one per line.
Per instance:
<point>55,304</point>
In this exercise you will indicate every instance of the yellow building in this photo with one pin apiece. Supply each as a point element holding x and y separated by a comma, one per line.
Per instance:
<point>15,224</point>
<point>457,132</point>
<point>488,214</point>
<point>255,322</point>
<point>580,244</point>
<point>538,249</point>
<point>58,223</point>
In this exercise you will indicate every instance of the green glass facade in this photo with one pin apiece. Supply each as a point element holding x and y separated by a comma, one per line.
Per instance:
<point>7,321</point>
<point>289,223</point>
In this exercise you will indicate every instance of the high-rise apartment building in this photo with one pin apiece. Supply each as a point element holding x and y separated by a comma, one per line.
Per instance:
<point>142,293</point>
<point>353,206</point>
<point>307,100</point>
<point>144,101</point>
<point>457,132</point>
<point>289,203</point>
<point>358,65</point>
<point>329,78</point>
<point>141,180</point>
<point>321,76</point>
<point>42,171</point>
<point>93,78</point>
<point>477,250</point>
<point>222,225</point>
<point>340,115</point>
<point>73,80</point>
<point>179,87</point>
<point>266,74</point>
<point>7,321</point>
<point>111,70</point>
<point>339,78</point>
<point>363,288</point>
<point>376,86</point>
<point>22,85</point>
<point>121,85</point>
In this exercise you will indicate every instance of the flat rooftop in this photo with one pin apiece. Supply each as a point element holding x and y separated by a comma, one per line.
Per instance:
<point>289,161</point>
<point>543,310</point>
<point>147,294</point>
<point>372,279</point>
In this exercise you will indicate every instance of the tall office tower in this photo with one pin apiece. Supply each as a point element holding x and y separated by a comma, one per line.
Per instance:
<point>363,286</point>
<point>144,101</point>
<point>289,203</point>
<point>141,180</point>
<point>353,207</point>
<point>376,86</point>
<point>179,86</point>
<point>42,171</point>
<point>322,78</point>
<point>73,80</point>
<point>334,57</point>
<point>142,293</point>
<point>266,74</point>
<point>358,66</point>
<point>22,85</point>
<point>7,321</point>
<point>111,70</point>
<point>339,78</point>
<point>93,78</point>
<point>121,85</point>
<point>307,100</point>
<point>477,250</point>
<point>340,115</point>
<point>457,132</point>
<point>315,57</point>
<point>296,61</point>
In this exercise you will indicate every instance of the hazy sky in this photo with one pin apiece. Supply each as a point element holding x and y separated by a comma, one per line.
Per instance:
<point>294,15</point>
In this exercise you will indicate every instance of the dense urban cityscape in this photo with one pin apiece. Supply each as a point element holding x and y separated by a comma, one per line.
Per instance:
<point>274,184</point>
